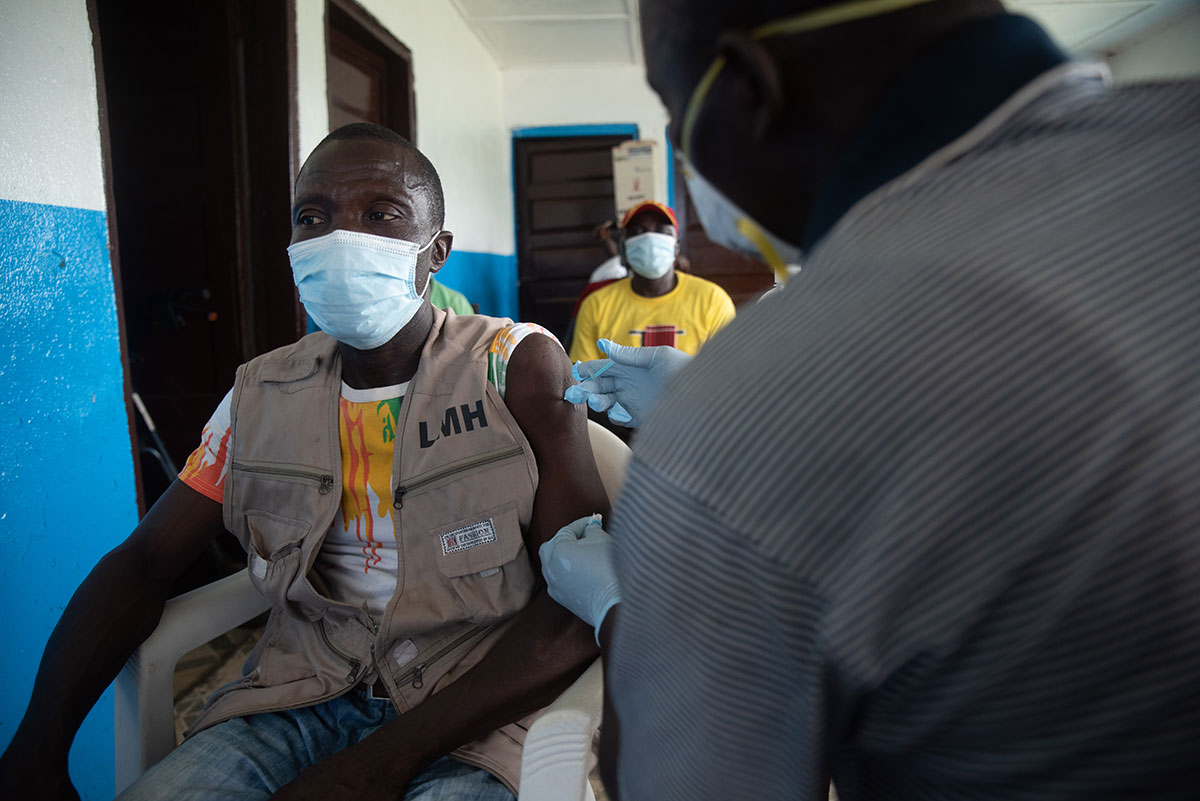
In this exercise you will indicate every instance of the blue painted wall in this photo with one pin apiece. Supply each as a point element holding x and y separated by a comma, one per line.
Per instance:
<point>487,279</point>
<point>67,492</point>
<point>511,274</point>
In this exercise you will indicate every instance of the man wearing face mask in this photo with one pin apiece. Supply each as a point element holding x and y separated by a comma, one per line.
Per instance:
<point>391,478</point>
<point>923,522</point>
<point>656,304</point>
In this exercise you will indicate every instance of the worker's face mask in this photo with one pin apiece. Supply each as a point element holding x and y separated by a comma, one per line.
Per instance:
<point>361,289</point>
<point>651,255</point>
<point>727,225</point>
<point>724,222</point>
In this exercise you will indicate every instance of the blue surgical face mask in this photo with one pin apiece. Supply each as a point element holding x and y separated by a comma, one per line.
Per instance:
<point>651,255</point>
<point>361,289</point>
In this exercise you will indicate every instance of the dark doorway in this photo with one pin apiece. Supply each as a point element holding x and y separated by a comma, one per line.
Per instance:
<point>564,189</point>
<point>369,72</point>
<point>198,99</point>
<point>744,278</point>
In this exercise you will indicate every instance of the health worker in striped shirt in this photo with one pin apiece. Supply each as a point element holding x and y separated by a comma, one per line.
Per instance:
<point>926,522</point>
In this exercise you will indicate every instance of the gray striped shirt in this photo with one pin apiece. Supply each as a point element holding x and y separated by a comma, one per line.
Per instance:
<point>928,520</point>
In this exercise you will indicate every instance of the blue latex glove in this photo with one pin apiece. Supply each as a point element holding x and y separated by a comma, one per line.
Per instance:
<point>577,564</point>
<point>631,381</point>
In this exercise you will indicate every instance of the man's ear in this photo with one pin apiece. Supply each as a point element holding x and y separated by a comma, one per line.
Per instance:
<point>440,251</point>
<point>750,59</point>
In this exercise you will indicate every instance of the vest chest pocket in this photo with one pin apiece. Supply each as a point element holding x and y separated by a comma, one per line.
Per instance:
<point>484,560</point>
<point>274,555</point>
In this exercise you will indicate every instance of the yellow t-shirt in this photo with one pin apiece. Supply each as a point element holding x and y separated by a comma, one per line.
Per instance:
<point>685,317</point>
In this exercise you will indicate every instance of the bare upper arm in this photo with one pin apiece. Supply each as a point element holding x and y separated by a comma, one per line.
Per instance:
<point>175,531</point>
<point>569,485</point>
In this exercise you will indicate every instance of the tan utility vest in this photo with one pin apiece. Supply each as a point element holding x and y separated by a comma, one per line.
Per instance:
<point>464,495</point>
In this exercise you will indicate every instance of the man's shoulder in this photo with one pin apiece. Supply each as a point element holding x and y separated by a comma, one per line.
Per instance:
<point>702,293</point>
<point>474,326</point>
<point>515,332</point>
<point>308,350</point>
<point>614,290</point>
<point>504,344</point>
<point>701,286</point>
<point>602,301</point>
<point>1176,99</point>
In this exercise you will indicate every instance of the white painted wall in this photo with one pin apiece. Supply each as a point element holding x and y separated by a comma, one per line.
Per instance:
<point>459,122</point>
<point>593,95</point>
<point>49,119</point>
<point>1170,52</point>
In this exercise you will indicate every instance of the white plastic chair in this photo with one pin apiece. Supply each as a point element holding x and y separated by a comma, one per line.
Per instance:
<point>555,759</point>
<point>558,747</point>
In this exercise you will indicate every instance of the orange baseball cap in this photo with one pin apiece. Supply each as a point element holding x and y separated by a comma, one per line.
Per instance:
<point>649,204</point>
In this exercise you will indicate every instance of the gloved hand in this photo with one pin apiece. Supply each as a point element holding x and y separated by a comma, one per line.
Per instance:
<point>577,564</point>
<point>628,389</point>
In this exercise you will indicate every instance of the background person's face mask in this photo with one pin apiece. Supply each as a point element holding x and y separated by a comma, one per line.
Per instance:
<point>724,222</point>
<point>359,288</point>
<point>651,255</point>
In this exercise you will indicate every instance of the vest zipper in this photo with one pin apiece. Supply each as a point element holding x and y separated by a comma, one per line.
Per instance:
<point>417,674</point>
<point>428,479</point>
<point>354,664</point>
<point>323,480</point>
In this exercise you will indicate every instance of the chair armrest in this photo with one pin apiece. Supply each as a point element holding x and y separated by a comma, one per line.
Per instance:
<point>144,690</point>
<point>558,747</point>
<point>612,458</point>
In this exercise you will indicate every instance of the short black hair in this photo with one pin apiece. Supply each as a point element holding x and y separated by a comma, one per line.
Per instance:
<point>426,172</point>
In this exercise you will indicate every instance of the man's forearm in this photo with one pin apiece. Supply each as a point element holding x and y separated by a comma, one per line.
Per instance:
<point>111,613</point>
<point>540,654</point>
<point>610,732</point>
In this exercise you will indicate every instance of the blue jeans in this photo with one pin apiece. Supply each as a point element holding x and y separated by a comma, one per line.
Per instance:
<point>248,759</point>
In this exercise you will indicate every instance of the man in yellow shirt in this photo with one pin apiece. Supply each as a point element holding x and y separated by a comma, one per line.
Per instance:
<point>656,304</point>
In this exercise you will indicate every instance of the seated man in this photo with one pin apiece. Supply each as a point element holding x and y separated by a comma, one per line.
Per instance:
<point>657,304</point>
<point>391,480</point>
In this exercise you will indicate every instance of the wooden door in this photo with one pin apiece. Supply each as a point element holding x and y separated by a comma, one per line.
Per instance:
<point>197,100</point>
<point>369,72</point>
<point>744,278</point>
<point>564,189</point>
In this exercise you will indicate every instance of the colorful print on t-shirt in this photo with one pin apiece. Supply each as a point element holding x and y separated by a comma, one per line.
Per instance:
<point>358,558</point>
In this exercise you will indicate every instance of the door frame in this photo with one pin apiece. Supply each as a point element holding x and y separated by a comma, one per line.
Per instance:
<point>564,131</point>
<point>114,257</point>
<point>245,153</point>
<point>370,33</point>
<point>551,132</point>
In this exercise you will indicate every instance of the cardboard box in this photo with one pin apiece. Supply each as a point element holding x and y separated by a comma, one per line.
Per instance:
<point>637,174</point>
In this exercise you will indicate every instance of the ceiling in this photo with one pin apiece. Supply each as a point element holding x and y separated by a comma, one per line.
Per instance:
<point>525,33</point>
<point>530,33</point>
<point>1092,28</point>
